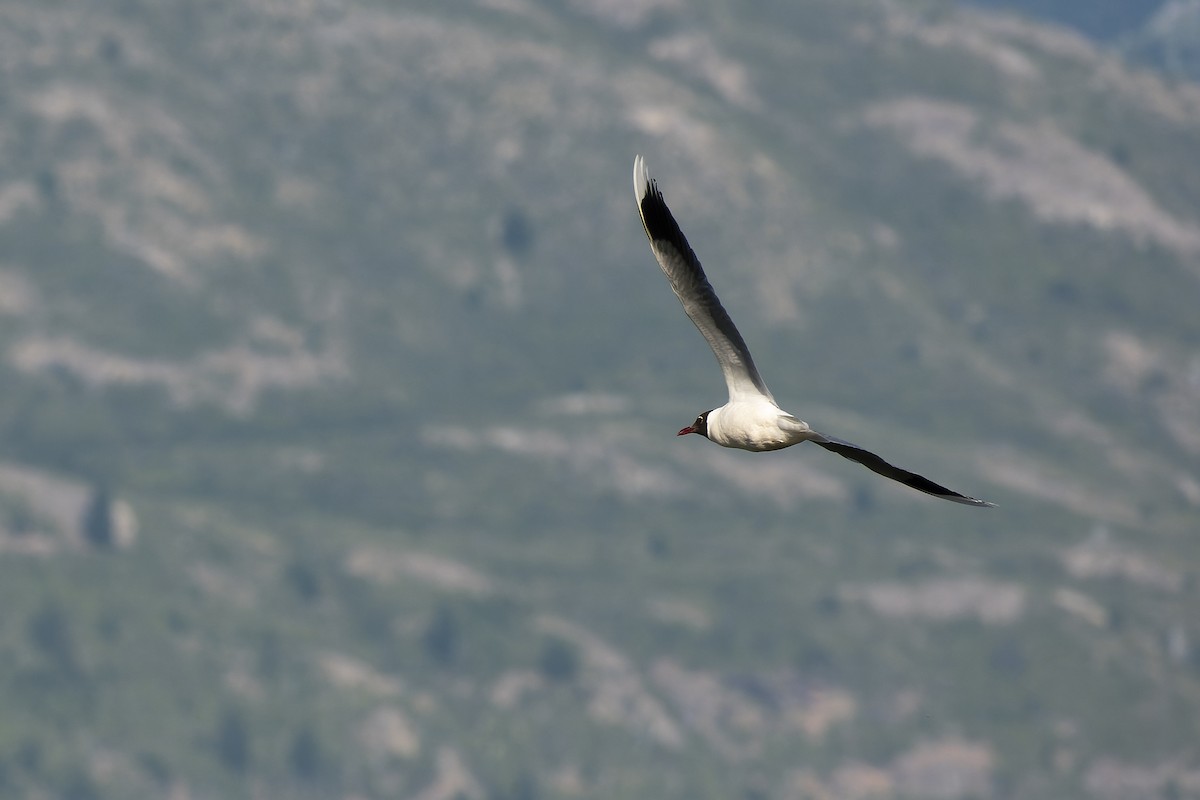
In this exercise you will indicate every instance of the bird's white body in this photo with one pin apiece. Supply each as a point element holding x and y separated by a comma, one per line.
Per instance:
<point>751,420</point>
<point>755,424</point>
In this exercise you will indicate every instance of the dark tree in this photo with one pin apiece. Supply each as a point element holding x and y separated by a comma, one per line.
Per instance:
<point>304,756</point>
<point>522,787</point>
<point>50,633</point>
<point>98,519</point>
<point>516,232</point>
<point>48,187</point>
<point>304,581</point>
<point>233,741</point>
<point>559,661</point>
<point>441,637</point>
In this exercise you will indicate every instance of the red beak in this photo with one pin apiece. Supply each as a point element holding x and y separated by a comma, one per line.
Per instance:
<point>687,430</point>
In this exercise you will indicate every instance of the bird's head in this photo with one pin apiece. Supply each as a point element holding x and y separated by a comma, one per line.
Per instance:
<point>700,426</point>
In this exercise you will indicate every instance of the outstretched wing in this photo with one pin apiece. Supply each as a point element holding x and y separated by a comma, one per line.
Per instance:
<point>877,464</point>
<point>691,286</point>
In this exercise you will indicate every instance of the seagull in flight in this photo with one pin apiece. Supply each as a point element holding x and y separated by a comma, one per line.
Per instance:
<point>751,420</point>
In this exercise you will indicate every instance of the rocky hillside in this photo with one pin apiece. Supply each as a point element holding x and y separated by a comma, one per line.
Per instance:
<point>338,389</point>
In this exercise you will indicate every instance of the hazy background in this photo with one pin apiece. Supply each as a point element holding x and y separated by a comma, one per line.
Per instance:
<point>338,390</point>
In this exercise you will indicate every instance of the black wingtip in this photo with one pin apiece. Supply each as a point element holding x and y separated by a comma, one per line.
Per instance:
<point>923,484</point>
<point>658,220</point>
<point>967,501</point>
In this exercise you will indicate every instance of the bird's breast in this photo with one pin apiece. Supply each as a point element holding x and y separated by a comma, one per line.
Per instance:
<point>756,426</point>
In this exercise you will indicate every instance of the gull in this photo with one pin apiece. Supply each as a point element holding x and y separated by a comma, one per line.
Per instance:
<point>751,420</point>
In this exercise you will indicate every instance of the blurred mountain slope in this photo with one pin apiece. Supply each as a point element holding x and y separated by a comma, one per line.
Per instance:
<point>347,307</point>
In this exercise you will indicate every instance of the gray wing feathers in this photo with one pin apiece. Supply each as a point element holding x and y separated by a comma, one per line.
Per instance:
<point>691,286</point>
